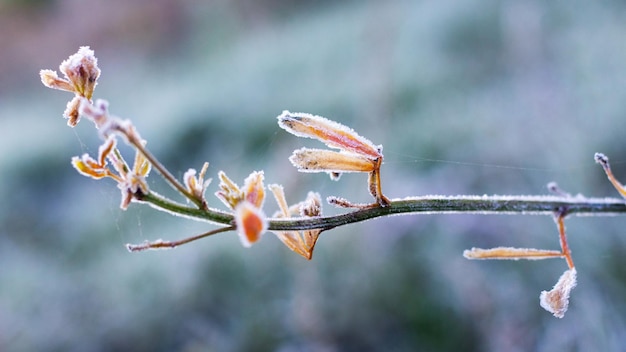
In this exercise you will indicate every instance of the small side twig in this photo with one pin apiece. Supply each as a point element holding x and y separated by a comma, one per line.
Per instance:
<point>160,244</point>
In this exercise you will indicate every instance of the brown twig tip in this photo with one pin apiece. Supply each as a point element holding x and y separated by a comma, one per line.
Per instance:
<point>158,244</point>
<point>553,187</point>
<point>601,159</point>
<point>604,161</point>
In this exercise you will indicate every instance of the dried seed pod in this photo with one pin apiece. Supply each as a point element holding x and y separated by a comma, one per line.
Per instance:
<point>331,133</point>
<point>511,253</point>
<point>319,160</point>
<point>357,153</point>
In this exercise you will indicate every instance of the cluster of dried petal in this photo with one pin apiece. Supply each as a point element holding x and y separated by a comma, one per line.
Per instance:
<point>130,181</point>
<point>302,242</point>
<point>556,301</point>
<point>250,220</point>
<point>80,73</point>
<point>98,168</point>
<point>357,154</point>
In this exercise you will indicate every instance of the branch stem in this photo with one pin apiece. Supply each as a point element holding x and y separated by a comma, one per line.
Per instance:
<point>436,204</point>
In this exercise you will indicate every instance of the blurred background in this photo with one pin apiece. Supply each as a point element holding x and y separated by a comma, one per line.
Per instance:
<point>467,97</point>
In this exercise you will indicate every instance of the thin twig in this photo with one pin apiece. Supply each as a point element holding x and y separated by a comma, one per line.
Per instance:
<point>160,244</point>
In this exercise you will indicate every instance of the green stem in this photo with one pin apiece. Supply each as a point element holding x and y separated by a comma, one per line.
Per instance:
<point>522,205</point>
<point>159,202</point>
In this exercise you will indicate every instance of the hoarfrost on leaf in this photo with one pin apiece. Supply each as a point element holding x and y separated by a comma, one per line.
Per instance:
<point>556,300</point>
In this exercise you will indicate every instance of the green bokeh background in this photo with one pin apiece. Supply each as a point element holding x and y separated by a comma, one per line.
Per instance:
<point>467,97</point>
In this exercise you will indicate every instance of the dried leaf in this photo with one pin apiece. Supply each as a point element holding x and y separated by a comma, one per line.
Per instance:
<point>556,301</point>
<point>319,160</point>
<point>511,253</point>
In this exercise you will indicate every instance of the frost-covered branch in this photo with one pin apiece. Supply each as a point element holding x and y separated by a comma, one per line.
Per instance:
<point>298,226</point>
<point>430,204</point>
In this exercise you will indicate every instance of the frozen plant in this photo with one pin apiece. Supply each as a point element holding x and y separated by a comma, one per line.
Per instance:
<point>300,225</point>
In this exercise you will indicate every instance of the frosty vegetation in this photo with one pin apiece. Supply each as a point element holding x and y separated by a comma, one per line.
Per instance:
<point>299,225</point>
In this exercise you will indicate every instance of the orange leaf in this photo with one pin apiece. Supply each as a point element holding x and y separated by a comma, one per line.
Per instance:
<point>319,160</point>
<point>251,223</point>
<point>333,134</point>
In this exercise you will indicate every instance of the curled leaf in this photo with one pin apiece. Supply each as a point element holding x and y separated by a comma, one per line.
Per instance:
<point>556,301</point>
<point>87,166</point>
